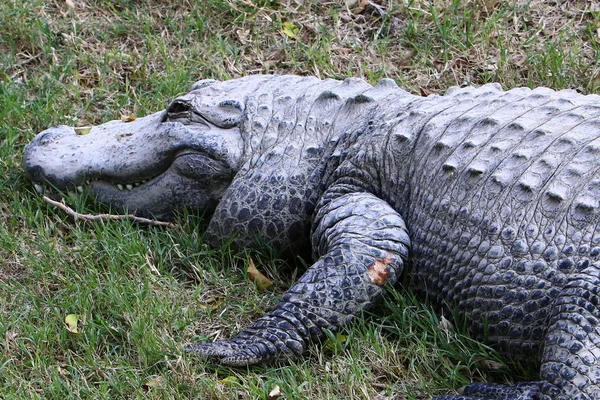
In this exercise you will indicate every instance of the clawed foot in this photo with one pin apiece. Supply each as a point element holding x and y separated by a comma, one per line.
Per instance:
<point>237,353</point>
<point>267,340</point>
<point>490,391</point>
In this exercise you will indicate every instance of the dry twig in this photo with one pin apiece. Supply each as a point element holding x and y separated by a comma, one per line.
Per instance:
<point>106,217</point>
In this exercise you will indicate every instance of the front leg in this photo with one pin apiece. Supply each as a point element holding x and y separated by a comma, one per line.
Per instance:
<point>361,244</point>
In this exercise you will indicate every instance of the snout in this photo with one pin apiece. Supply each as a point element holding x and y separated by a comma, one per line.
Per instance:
<point>114,151</point>
<point>41,153</point>
<point>51,135</point>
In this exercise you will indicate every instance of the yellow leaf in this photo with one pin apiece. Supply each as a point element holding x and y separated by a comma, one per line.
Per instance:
<point>128,117</point>
<point>334,342</point>
<point>230,380</point>
<point>71,322</point>
<point>290,29</point>
<point>261,281</point>
<point>82,130</point>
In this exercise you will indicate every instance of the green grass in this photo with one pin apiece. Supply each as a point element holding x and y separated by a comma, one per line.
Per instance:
<point>143,293</point>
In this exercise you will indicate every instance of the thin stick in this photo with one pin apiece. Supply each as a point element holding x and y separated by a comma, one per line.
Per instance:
<point>105,217</point>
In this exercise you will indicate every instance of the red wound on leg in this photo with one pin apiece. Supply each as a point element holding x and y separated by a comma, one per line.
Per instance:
<point>378,272</point>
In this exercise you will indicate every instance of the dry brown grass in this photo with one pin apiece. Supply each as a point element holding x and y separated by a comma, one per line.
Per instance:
<point>426,45</point>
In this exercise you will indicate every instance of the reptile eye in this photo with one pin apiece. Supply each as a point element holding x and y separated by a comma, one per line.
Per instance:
<point>178,110</point>
<point>178,107</point>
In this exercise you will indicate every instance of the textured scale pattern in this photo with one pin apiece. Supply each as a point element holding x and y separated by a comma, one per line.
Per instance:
<point>499,192</point>
<point>488,199</point>
<point>503,220</point>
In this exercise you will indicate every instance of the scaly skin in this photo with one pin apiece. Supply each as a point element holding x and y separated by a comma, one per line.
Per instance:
<point>489,198</point>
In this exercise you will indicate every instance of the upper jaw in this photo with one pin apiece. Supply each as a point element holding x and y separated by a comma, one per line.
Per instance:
<point>125,154</point>
<point>111,151</point>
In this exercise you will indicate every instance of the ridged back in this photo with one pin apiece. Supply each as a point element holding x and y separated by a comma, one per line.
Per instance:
<point>503,192</point>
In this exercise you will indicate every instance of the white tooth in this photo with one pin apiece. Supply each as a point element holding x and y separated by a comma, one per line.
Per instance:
<point>87,181</point>
<point>80,189</point>
<point>119,186</point>
<point>38,188</point>
<point>129,187</point>
<point>137,184</point>
<point>144,181</point>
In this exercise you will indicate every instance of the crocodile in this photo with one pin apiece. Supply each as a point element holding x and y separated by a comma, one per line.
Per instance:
<point>489,198</point>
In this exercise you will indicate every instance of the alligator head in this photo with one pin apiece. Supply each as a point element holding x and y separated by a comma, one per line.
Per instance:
<point>186,155</point>
<point>249,153</point>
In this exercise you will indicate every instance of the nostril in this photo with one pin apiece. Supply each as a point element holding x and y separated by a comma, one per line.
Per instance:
<point>45,137</point>
<point>51,135</point>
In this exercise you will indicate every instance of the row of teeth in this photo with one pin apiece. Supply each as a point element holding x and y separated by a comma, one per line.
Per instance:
<point>41,189</point>
<point>121,187</point>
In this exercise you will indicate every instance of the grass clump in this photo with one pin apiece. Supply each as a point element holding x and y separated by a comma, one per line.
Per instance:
<point>142,293</point>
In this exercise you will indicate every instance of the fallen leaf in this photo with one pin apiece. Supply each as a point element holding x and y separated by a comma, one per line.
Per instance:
<point>82,130</point>
<point>518,60</point>
<point>71,322</point>
<point>102,374</point>
<point>209,302</point>
<point>426,91</point>
<point>261,281</point>
<point>290,30</point>
<point>334,342</point>
<point>70,3</point>
<point>490,364</point>
<point>128,117</point>
<point>62,230</point>
<point>275,393</point>
<point>154,382</point>
<point>274,55</point>
<point>357,5</point>
<point>230,380</point>
<point>362,4</point>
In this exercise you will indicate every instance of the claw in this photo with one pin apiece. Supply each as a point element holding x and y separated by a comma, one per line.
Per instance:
<point>244,353</point>
<point>231,354</point>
